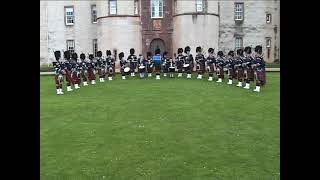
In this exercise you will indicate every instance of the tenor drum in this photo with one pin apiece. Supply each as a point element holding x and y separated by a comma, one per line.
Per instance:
<point>141,67</point>
<point>186,65</point>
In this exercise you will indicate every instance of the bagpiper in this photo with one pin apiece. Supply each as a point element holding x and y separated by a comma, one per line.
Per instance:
<point>188,62</point>
<point>239,67</point>
<point>259,66</point>
<point>133,62</point>
<point>200,60</point>
<point>220,66</point>
<point>211,62</point>
<point>101,66</point>
<point>247,65</point>
<point>230,65</point>
<point>110,64</point>
<point>67,69</point>
<point>91,64</point>
<point>124,69</point>
<point>59,72</point>
<point>149,64</point>
<point>75,70</point>
<point>84,69</point>
<point>180,62</point>
<point>142,63</point>
<point>165,63</point>
<point>172,67</point>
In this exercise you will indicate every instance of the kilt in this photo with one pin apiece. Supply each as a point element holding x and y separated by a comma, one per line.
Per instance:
<point>158,69</point>
<point>261,77</point>
<point>133,66</point>
<point>91,75</point>
<point>202,69</point>
<point>240,74</point>
<point>250,74</point>
<point>221,73</point>
<point>101,71</point>
<point>172,70</point>
<point>142,70</point>
<point>68,77</point>
<point>150,70</point>
<point>212,70</point>
<point>76,77</point>
<point>231,73</point>
<point>84,75</point>
<point>58,80</point>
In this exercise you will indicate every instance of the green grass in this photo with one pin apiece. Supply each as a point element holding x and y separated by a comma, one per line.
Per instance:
<point>167,129</point>
<point>272,65</point>
<point>46,68</point>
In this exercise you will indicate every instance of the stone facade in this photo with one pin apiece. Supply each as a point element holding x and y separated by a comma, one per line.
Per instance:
<point>180,26</point>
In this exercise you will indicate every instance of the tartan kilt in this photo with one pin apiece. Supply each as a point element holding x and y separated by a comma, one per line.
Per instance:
<point>91,75</point>
<point>212,70</point>
<point>172,70</point>
<point>150,70</point>
<point>58,80</point>
<point>142,70</point>
<point>68,77</point>
<point>250,74</point>
<point>75,77</point>
<point>261,76</point>
<point>158,68</point>
<point>231,73</point>
<point>240,74</point>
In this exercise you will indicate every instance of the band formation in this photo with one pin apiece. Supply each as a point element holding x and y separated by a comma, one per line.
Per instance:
<point>244,66</point>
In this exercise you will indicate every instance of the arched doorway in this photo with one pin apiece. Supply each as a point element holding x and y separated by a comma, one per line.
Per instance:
<point>155,44</point>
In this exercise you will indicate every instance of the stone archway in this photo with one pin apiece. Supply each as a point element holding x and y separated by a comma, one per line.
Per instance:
<point>157,43</point>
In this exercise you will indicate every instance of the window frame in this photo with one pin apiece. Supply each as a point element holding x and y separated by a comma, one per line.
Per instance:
<point>160,7</point>
<point>94,19</point>
<point>236,42</point>
<point>136,7</point>
<point>268,42</point>
<point>238,13</point>
<point>66,15</point>
<point>116,7</point>
<point>270,18</point>
<point>202,5</point>
<point>95,47</point>
<point>73,45</point>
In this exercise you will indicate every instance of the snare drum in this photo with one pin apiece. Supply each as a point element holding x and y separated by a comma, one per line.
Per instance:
<point>127,69</point>
<point>141,67</point>
<point>186,65</point>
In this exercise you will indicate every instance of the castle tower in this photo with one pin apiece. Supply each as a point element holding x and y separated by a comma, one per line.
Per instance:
<point>195,23</point>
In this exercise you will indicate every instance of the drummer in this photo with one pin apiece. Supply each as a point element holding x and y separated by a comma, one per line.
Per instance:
<point>124,69</point>
<point>149,64</point>
<point>165,64</point>
<point>142,65</point>
<point>172,67</point>
<point>188,62</point>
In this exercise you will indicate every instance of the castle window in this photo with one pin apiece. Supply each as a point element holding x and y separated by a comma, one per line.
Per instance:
<point>136,6</point>
<point>268,18</point>
<point>156,8</point>
<point>268,42</point>
<point>238,11</point>
<point>175,6</point>
<point>70,46</point>
<point>199,5</point>
<point>112,7</point>
<point>95,47</point>
<point>69,16</point>
<point>94,14</point>
<point>238,43</point>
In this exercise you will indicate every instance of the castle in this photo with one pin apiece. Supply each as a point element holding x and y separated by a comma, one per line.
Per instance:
<point>118,25</point>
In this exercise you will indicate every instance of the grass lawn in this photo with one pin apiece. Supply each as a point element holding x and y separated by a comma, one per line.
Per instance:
<point>168,129</point>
